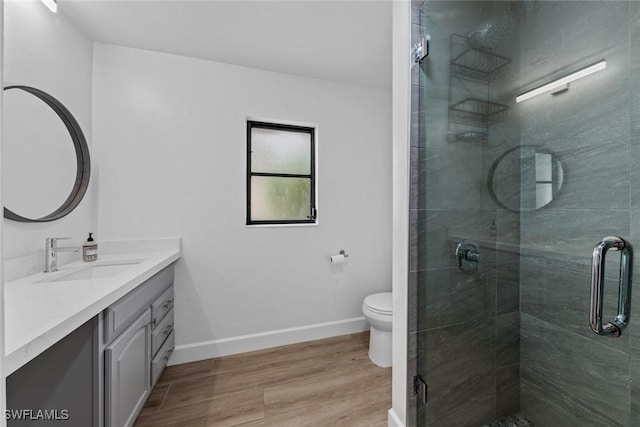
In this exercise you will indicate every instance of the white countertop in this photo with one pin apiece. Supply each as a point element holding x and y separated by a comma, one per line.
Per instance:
<point>38,313</point>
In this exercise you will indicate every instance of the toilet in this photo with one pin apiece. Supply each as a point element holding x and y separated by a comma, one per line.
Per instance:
<point>378,310</point>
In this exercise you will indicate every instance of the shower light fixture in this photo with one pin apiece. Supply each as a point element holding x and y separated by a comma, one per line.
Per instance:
<point>558,84</point>
<point>51,4</point>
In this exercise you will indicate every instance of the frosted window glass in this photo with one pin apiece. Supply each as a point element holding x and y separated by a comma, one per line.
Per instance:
<point>278,198</point>
<point>278,151</point>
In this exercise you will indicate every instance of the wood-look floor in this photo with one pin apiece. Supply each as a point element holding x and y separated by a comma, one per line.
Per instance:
<point>321,383</point>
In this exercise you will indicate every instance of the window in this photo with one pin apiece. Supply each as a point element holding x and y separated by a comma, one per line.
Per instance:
<point>280,174</point>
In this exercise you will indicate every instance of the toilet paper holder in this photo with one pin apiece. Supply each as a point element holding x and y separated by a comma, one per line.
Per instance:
<point>341,257</point>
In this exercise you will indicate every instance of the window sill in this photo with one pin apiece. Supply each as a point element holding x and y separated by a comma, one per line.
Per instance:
<point>315,224</point>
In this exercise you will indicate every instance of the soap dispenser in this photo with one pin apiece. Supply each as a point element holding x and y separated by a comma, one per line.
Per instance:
<point>89,249</point>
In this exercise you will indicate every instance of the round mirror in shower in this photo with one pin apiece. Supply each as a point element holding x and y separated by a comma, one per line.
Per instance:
<point>45,162</point>
<point>525,178</point>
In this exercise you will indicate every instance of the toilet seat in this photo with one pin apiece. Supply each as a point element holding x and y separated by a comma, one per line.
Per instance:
<point>379,303</point>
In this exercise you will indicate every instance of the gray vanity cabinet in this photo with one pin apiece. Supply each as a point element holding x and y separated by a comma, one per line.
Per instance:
<point>101,374</point>
<point>138,339</point>
<point>128,372</point>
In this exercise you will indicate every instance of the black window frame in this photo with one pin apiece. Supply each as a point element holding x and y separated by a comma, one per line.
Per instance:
<point>313,211</point>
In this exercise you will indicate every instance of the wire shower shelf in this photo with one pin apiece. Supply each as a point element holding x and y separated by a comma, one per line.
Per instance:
<point>477,64</point>
<point>477,112</point>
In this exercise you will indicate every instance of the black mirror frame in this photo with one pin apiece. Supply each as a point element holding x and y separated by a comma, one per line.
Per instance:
<point>83,160</point>
<point>492,172</point>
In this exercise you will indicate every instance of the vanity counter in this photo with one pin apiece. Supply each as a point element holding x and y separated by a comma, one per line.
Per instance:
<point>43,308</point>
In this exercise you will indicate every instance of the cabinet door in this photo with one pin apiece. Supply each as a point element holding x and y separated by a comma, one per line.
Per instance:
<point>127,363</point>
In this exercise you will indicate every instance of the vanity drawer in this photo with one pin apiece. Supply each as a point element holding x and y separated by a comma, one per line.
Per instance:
<point>161,332</point>
<point>161,306</point>
<point>162,358</point>
<point>121,313</point>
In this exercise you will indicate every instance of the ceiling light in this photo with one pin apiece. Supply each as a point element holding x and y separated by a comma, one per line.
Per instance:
<point>51,4</point>
<point>556,84</point>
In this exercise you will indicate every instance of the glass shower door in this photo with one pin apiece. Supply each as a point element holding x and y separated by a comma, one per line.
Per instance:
<point>501,326</point>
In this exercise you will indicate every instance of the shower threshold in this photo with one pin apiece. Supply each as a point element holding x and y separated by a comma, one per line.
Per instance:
<point>511,421</point>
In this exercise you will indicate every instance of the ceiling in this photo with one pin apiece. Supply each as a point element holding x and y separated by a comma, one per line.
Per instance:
<point>346,41</point>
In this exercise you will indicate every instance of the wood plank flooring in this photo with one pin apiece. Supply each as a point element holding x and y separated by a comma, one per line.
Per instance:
<point>320,383</point>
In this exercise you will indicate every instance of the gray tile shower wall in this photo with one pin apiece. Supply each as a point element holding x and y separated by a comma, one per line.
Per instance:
<point>513,336</point>
<point>634,395</point>
<point>561,297</point>
<point>590,131</point>
<point>461,376</point>
<point>634,85</point>
<point>553,365</point>
<point>507,390</point>
<point>454,296</point>
<point>416,411</point>
<point>466,323</point>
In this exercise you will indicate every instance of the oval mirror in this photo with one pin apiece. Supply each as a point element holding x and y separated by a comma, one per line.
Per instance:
<point>45,161</point>
<point>524,178</point>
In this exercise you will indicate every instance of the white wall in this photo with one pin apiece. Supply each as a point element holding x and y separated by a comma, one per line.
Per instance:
<point>401,115</point>
<point>3,398</point>
<point>46,51</point>
<point>170,134</point>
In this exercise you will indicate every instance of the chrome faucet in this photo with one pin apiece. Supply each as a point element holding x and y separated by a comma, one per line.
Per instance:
<point>51,250</point>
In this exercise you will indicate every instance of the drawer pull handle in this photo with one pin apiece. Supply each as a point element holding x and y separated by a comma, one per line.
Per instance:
<point>168,329</point>
<point>168,304</point>
<point>167,355</point>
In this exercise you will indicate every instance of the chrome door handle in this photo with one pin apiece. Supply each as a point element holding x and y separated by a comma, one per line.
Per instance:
<point>614,328</point>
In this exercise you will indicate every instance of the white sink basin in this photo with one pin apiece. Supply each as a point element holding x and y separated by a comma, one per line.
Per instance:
<point>102,270</point>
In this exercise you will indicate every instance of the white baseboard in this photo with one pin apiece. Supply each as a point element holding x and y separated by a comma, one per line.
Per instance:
<point>393,420</point>
<point>209,349</point>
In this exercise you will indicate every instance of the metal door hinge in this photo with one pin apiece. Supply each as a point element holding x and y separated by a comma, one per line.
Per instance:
<point>421,50</point>
<point>420,388</point>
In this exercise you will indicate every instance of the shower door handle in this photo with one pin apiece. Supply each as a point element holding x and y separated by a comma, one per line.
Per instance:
<point>614,328</point>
